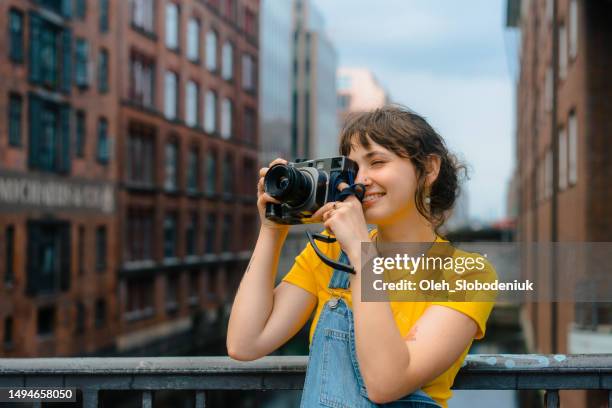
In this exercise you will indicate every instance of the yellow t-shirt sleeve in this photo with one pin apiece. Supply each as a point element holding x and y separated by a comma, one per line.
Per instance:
<point>301,273</point>
<point>478,311</point>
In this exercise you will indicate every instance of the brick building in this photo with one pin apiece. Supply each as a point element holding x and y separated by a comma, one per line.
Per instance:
<point>128,165</point>
<point>563,174</point>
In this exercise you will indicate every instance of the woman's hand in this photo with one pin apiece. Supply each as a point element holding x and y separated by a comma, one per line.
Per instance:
<point>263,198</point>
<point>346,221</point>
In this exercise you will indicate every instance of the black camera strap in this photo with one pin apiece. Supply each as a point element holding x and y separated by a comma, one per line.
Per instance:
<point>358,190</point>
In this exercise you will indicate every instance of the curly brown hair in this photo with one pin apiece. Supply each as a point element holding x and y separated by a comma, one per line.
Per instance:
<point>408,135</point>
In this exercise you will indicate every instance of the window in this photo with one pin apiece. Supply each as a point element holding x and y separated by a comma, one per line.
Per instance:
<point>81,9</point>
<point>193,39</point>
<point>573,28</point>
<point>139,234</point>
<point>227,68</point>
<point>228,174</point>
<point>81,70</point>
<point>548,89</point>
<point>103,71</point>
<point>46,321</point>
<point>226,118</point>
<point>80,318</point>
<point>171,180</point>
<point>211,51</point>
<point>192,95</point>
<point>194,287</point>
<point>141,155</point>
<point>14,121</point>
<point>172,26</point>
<point>81,250</point>
<point>572,129</point>
<point>172,287</point>
<point>80,133</point>
<point>192,170</point>
<point>226,243</point>
<point>142,77</point>
<point>190,235</point>
<point>140,302</point>
<point>250,22</point>
<point>249,177</point>
<point>170,237</point>
<point>103,16</point>
<point>229,9</point>
<point>9,267</point>
<point>548,174</point>
<point>142,14</point>
<point>50,48</point>
<point>562,51</point>
<point>562,159</point>
<point>8,331</point>
<point>100,313</point>
<point>103,150</point>
<point>210,234</point>
<point>248,73</point>
<point>210,113</point>
<point>49,133</point>
<point>48,257</point>
<point>249,127</point>
<point>211,173</point>
<point>16,35</point>
<point>101,248</point>
<point>170,95</point>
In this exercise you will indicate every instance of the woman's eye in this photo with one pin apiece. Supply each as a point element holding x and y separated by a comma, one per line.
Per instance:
<point>376,162</point>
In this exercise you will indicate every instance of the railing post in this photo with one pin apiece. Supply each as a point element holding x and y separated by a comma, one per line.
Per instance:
<point>200,399</point>
<point>551,399</point>
<point>147,399</point>
<point>90,398</point>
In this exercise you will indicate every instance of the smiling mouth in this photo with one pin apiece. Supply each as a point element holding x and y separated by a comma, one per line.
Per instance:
<point>371,198</point>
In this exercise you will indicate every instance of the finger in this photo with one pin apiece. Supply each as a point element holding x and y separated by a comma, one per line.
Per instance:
<point>342,185</point>
<point>278,160</point>
<point>268,198</point>
<point>263,171</point>
<point>324,209</point>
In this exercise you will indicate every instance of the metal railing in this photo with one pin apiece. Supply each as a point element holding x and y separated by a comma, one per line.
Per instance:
<point>200,374</point>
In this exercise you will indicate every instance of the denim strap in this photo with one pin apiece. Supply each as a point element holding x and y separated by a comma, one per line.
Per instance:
<point>340,279</point>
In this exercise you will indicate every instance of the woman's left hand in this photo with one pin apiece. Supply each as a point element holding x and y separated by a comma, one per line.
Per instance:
<point>346,221</point>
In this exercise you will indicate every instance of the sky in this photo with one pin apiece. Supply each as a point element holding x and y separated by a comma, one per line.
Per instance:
<point>447,60</point>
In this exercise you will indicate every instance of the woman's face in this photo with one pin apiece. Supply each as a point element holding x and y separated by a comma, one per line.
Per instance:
<point>390,182</point>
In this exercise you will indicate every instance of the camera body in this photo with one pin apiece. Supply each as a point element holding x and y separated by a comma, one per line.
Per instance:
<point>304,186</point>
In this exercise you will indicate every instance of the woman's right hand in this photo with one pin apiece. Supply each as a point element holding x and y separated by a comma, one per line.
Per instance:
<point>263,198</point>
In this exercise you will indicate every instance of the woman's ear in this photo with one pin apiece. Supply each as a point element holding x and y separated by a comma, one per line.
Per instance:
<point>432,167</point>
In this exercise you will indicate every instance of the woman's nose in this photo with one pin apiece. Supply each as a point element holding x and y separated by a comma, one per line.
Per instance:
<point>362,178</point>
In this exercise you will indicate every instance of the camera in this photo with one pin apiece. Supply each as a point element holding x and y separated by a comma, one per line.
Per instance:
<point>304,186</point>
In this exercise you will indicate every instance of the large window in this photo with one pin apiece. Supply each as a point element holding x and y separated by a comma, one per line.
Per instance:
<point>140,298</point>
<point>172,288</point>
<point>81,74</point>
<point>193,39</point>
<point>170,235</point>
<point>227,111</point>
<point>227,236</point>
<point>192,170</point>
<point>100,313</point>
<point>211,172</point>
<point>171,176</point>
<point>9,267</point>
<point>572,129</point>
<point>50,54</point>
<point>142,77</point>
<point>228,174</point>
<point>103,151</point>
<point>172,26</point>
<point>45,321</point>
<point>211,50</point>
<point>48,257</point>
<point>79,327</point>
<point>81,249</point>
<point>16,35</point>
<point>14,119</point>
<point>562,51</point>
<point>103,71</point>
<point>210,233</point>
<point>170,95</point>
<point>227,69</point>
<point>139,235</point>
<point>80,9</point>
<point>80,129</point>
<point>573,28</point>
<point>192,95</point>
<point>248,73</point>
<point>210,112</point>
<point>141,155</point>
<point>49,132</point>
<point>249,125</point>
<point>190,234</point>
<point>101,248</point>
<point>562,159</point>
<point>143,14</point>
<point>103,15</point>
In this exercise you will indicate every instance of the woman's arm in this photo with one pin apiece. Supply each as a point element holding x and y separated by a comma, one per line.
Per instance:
<point>392,366</point>
<point>263,318</point>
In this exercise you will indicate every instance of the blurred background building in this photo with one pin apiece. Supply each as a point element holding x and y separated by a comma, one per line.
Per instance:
<point>358,90</point>
<point>128,163</point>
<point>563,172</point>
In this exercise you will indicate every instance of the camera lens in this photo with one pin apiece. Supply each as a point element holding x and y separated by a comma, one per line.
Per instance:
<point>287,184</point>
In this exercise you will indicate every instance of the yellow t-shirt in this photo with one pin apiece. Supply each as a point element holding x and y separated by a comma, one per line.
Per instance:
<point>311,274</point>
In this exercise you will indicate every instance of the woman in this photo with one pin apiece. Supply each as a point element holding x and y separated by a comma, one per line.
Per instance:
<point>364,353</point>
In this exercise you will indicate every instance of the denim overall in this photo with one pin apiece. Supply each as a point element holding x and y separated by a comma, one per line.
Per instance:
<point>333,378</point>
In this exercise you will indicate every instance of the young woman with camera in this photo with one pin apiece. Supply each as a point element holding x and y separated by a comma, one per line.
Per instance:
<point>364,354</point>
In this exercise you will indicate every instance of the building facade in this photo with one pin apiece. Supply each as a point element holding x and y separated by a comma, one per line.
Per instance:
<point>137,121</point>
<point>562,180</point>
<point>358,90</point>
